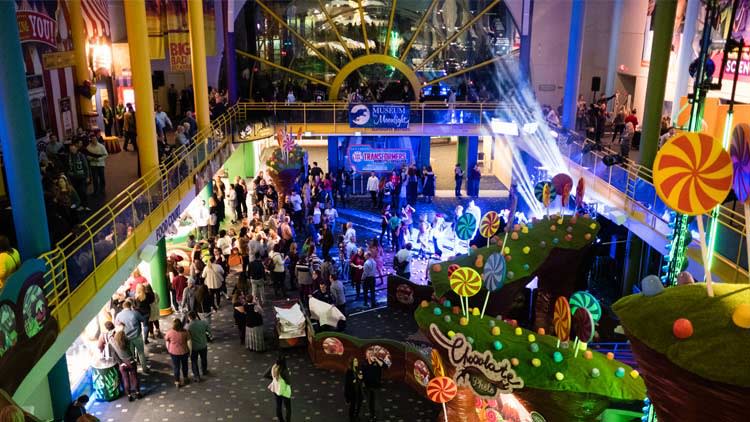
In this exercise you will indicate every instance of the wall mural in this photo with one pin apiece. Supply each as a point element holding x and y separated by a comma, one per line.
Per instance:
<point>27,330</point>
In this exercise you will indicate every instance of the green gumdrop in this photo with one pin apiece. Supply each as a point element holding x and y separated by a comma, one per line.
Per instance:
<point>491,323</point>
<point>594,372</point>
<point>534,347</point>
<point>470,340</point>
<point>620,372</point>
<point>557,357</point>
<point>447,318</point>
<point>497,345</point>
<point>437,311</point>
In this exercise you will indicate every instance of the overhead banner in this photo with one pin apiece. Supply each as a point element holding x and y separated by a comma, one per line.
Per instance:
<point>381,116</point>
<point>364,158</point>
<point>36,27</point>
<point>168,30</point>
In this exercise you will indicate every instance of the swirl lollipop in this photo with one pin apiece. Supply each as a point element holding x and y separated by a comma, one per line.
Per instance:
<point>442,390</point>
<point>466,282</point>
<point>493,276</point>
<point>561,318</point>
<point>565,197</point>
<point>489,225</point>
<point>465,226</point>
<point>740,152</point>
<point>693,174</point>
<point>587,301</point>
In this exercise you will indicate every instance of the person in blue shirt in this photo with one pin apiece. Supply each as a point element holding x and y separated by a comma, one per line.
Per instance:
<point>132,321</point>
<point>369,272</point>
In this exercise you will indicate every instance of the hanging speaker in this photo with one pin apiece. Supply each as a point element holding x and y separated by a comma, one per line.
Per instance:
<point>596,83</point>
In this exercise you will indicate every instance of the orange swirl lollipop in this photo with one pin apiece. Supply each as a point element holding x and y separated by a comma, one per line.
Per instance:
<point>692,173</point>
<point>465,281</point>
<point>441,389</point>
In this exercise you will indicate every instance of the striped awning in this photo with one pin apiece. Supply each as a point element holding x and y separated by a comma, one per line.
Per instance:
<point>96,18</point>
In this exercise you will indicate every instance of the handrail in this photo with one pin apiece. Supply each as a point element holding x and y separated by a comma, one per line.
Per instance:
<point>84,260</point>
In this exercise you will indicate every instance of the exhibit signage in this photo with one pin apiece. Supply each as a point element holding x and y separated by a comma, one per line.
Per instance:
<point>364,158</point>
<point>487,377</point>
<point>381,116</point>
<point>36,27</point>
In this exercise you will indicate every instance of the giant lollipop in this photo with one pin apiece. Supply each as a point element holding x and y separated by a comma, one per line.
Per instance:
<point>580,192</point>
<point>545,193</point>
<point>586,300</point>
<point>465,226</point>
<point>489,225</point>
<point>560,180</point>
<point>466,282</point>
<point>693,174</point>
<point>442,390</point>
<point>565,197</point>
<point>561,318</point>
<point>740,152</point>
<point>493,276</point>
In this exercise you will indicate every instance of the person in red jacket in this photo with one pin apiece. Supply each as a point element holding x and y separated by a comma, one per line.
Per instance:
<point>179,282</point>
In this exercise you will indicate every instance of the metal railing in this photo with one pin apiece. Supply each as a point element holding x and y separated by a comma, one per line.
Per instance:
<point>335,115</point>
<point>84,260</point>
<point>638,194</point>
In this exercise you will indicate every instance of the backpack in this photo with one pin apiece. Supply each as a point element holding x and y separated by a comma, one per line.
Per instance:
<point>398,266</point>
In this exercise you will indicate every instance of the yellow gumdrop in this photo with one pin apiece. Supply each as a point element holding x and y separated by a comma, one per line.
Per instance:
<point>424,304</point>
<point>741,315</point>
<point>451,333</point>
<point>514,236</point>
<point>532,338</point>
<point>536,362</point>
<point>518,331</point>
<point>559,376</point>
<point>506,250</point>
<point>463,321</point>
<point>524,229</point>
<point>560,220</point>
<point>526,250</point>
<point>475,312</point>
<point>634,374</point>
<point>593,226</point>
<point>495,331</point>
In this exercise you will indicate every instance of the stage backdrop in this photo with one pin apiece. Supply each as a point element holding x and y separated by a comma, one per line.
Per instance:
<point>380,154</point>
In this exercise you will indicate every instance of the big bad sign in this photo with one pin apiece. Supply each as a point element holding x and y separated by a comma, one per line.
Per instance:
<point>179,53</point>
<point>36,27</point>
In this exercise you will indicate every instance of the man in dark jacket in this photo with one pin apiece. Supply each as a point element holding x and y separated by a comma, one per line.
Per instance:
<point>373,375</point>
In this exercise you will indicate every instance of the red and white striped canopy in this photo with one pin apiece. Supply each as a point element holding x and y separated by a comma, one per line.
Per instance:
<point>96,18</point>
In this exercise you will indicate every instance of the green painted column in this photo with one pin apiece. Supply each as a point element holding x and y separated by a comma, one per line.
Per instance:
<point>462,151</point>
<point>59,387</point>
<point>657,78</point>
<point>633,264</point>
<point>159,282</point>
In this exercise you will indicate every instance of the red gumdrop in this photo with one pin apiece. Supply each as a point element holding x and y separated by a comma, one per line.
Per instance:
<point>452,268</point>
<point>682,328</point>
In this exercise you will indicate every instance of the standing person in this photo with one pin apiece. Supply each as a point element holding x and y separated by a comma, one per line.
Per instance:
<point>372,373</point>
<point>353,393</point>
<point>153,317</point>
<point>627,139</point>
<point>372,186</point>
<point>119,346</point>
<point>97,155</point>
<point>297,215</point>
<point>119,118</point>
<point>369,272</point>
<point>476,177</point>
<point>10,260</point>
<point>202,220</point>
<point>343,186</point>
<point>213,275</point>
<point>385,234</point>
<point>179,283</point>
<point>316,172</point>
<point>326,241</point>
<point>200,335</point>
<point>338,293</point>
<point>108,116</point>
<point>128,128</point>
<point>162,123</point>
<point>278,271</point>
<point>459,177</point>
<point>428,189</point>
<point>79,173</point>
<point>281,388</point>
<point>133,320</point>
<point>356,266</point>
<point>257,275</point>
<point>412,187</point>
<point>172,95</point>
<point>142,303</point>
<point>618,123</point>
<point>254,339</point>
<point>177,346</point>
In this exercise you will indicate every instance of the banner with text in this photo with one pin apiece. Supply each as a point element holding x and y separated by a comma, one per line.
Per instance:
<point>382,116</point>
<point>365,158</point>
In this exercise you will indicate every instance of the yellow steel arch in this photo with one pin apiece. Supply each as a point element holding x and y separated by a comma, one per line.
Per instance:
<point>369,59</point>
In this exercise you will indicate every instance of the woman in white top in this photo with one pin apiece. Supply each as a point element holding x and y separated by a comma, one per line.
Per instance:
<point>278,271</point>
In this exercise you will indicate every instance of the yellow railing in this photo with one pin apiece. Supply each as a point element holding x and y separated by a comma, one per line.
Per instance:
<point>84,261</point>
